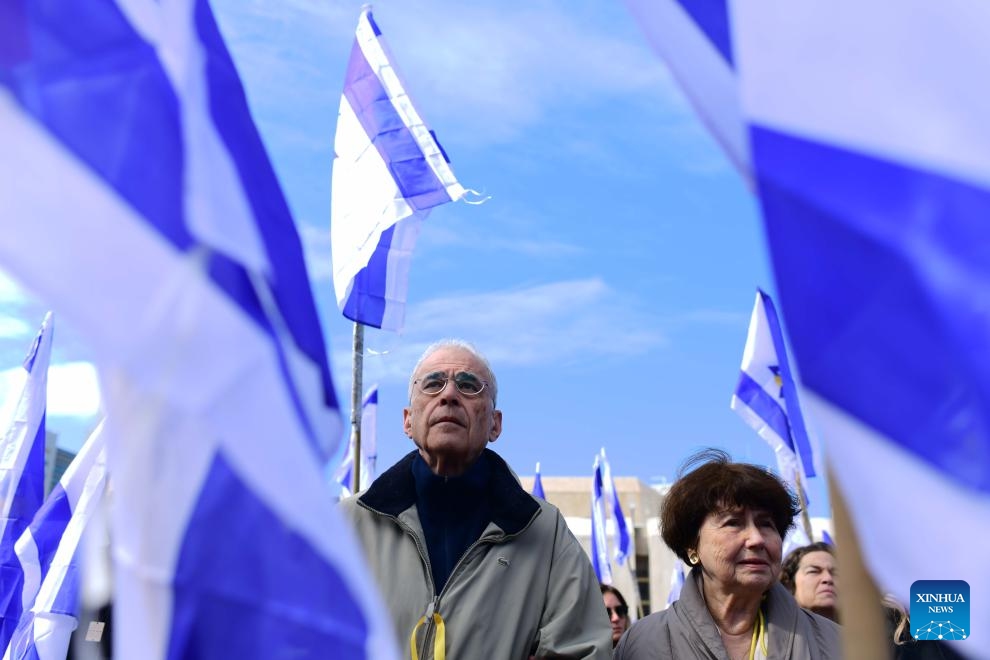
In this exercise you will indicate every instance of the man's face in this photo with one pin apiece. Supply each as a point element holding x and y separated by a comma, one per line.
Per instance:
<point>814,582</point>
<point>451,429</point>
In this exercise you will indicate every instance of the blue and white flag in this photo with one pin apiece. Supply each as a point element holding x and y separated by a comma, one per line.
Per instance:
<point>538,484</point>
<point>766,397</point>
<point>22,470</point>
<point>369,447</point>
<point>599,545</point>
<point>676,582</point>
<point>388,172</point>
<point>694,38</point>
<point>872,164</point>
<point>624,541</point>
<point>50,557</point>
<point>138,199</point>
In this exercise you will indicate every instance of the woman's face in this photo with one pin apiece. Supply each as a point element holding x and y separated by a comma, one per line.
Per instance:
<point>617,616</point>
<point>739,549</point>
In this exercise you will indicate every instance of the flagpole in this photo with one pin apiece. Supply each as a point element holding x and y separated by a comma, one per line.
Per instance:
<point>356,386</point>
<point>805,518</point>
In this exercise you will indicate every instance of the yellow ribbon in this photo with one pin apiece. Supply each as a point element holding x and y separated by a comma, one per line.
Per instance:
<point>759,635</point>
<point>439,639</point>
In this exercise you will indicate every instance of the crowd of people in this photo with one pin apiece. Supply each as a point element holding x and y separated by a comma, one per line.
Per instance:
<point>472,566</point>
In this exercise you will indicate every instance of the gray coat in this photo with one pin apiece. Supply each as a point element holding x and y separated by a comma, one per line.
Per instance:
<point>686,631</point>
<point>525,587</point>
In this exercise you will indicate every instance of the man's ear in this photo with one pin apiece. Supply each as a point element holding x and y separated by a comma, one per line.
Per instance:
<point>407,421</point>
<point>496,426</point>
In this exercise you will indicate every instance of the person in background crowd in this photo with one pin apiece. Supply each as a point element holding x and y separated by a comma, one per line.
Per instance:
<point>906,647</point>
<point>809,574</point>
<point>618,611</point>
<point>726,520</point>
<point>472,566</point>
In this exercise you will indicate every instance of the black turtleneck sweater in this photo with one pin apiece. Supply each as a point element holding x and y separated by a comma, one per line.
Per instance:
<point>454,511</point>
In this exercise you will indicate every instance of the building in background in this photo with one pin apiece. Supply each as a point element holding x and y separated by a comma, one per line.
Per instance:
<point>645,580</point>
<point>56,460</point>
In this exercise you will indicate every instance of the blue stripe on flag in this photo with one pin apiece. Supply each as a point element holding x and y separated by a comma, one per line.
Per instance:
<point>48,526</point>
<point>125,123</point>
<point>765,406</point>
<point>712,16</point>
<point>369,307</point>
<point>415,178</point>
<point>795,419</point>
<point>232,119</point>
<point>237,599</point>
<point>888,332</point>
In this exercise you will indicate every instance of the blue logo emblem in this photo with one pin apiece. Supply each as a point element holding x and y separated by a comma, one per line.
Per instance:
<point>940,609</point>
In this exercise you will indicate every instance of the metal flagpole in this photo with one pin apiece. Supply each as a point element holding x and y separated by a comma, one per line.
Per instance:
<point>805,518</point>
<point>356,385</point>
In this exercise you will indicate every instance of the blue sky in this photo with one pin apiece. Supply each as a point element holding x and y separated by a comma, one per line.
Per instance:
<point>609,278</point>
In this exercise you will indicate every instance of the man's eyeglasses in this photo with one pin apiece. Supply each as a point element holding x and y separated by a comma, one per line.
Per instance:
<point>621,611</point>
<point>466,383</point>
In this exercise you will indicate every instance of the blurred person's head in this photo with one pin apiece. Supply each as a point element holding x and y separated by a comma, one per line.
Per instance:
<point>618,611</point>
<point>809,573</point>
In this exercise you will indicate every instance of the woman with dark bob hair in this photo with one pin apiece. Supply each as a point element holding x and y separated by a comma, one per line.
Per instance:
<point>727,521</point>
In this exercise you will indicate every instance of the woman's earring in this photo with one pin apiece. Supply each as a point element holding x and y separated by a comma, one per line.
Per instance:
<point>693,557</point>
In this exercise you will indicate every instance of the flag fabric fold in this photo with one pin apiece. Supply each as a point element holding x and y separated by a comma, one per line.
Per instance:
<point>221,409</point>
<point>389,171</point>
<point>624,541</point>
<point>49,554</point>
<point>538,484</point>
<point>766,396</point>
<point>22,473</point>
<point>875,208</point>
<point>676,582</point>
<point>599,546</point>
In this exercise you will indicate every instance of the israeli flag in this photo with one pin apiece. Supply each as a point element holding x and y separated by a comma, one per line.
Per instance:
<point>369,447</point>
<point>140,202</point>
<point>872,163</point>
<point>388,172</point>
<point>624,543</point>
<point>538,484</point>
<point>49,555</point>
<point>22,470</point>
<point>695,40</point>
<point>676,582</point>
<point>766,397</point>
<point>599,546</point>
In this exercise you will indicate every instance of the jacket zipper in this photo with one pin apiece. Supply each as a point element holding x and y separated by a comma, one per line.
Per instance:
<point>433,605</point>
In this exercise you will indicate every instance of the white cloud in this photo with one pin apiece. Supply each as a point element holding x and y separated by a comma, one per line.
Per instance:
<point>483,71</point>
<point>10,292</point>
<point>73,389</point>
<point>556,323</point>
<point>13,328</point>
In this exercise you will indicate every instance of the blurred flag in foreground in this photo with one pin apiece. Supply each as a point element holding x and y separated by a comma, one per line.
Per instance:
<point>538,484</point>
<point>694,38</point>
<point>139,201</point>
<point>875,205</point>
<point>388,172</point>
<point>766,397</point>
<point>48,551</point>
<point>22,470</point>
<point>369,447</point>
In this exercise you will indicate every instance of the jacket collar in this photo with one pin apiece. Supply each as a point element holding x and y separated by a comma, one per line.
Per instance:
<point>395,491</point>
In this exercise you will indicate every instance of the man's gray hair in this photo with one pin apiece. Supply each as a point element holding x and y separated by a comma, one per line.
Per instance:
<point>456,343</point>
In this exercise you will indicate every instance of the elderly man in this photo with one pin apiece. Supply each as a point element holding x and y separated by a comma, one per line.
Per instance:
<point>472,566</point>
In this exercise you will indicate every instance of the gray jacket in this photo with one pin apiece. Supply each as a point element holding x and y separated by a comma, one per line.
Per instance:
<point>686,631</point>
<point>524,588</point>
